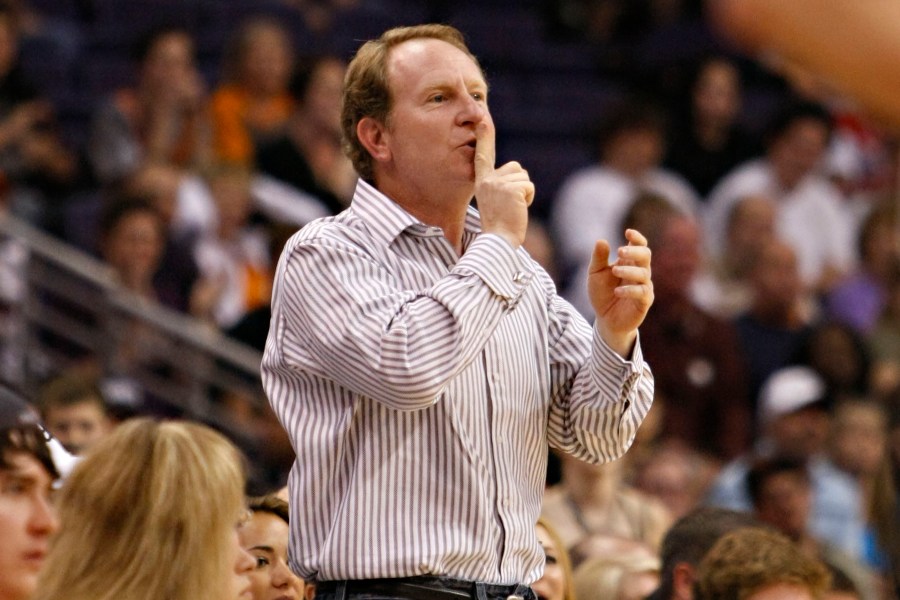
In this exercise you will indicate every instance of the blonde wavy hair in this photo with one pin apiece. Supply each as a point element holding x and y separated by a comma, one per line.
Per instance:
<point>149,514</point>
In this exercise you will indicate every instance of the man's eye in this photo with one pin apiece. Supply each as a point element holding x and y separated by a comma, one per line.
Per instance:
<point>478,96</point>
<point>261,561</point>
<point>438,98</point>
<point>12,488</point>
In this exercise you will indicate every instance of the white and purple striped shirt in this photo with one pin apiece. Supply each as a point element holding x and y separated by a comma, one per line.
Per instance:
<point>420,391</point>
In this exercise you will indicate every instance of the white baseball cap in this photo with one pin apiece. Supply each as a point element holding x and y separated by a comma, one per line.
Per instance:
<point>789,390</point>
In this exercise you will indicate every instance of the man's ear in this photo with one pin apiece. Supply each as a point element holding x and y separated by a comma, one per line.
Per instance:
<point>683,581</point>
<point>310,591</point>
<point>372,136</point>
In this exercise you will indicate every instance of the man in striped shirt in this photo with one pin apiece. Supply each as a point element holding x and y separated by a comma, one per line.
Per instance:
<point>421,361</point>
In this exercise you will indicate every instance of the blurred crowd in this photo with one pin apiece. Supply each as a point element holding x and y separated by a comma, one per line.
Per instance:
<point>774,338</point>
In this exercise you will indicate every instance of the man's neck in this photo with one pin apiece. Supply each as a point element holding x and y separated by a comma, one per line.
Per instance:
<point>444,210</point>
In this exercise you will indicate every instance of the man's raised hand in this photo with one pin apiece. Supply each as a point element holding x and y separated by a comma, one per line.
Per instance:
<point>621,293</point>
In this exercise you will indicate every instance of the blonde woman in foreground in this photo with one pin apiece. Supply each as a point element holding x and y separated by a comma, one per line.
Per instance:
<point>151,513</point>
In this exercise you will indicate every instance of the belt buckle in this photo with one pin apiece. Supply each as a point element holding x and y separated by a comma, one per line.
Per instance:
<point>515,597</point>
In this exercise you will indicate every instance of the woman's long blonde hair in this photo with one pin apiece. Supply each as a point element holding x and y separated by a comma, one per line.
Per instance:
<point>148,514</point>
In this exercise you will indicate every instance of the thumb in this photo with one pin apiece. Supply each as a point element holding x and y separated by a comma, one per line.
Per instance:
<point>485,150</point>
<point>600,257</point>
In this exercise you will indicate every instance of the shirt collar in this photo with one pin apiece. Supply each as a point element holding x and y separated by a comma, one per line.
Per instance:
<point>387,220</point>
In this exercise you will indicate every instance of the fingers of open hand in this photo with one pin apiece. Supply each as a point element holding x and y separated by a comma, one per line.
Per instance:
<point>635,237</point>
<point>633,270</point>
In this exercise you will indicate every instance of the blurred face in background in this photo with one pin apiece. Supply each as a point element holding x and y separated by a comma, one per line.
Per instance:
<point>169,61</point>
<point>776,277</point>
<point>859,439</point>
<point>134,246</point>
<point>802,433</point>
<point>552,585</point>
<point>785,503</point>
<point>322,100</point>
<point>717,95</point>
<point>78,425</point>
<point>798,150</point>
<point>676,257</point>
<point>267,59</point>
<point>751,225</point>
<point>635,151</point>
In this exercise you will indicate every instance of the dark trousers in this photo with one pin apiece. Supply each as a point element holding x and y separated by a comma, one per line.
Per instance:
<point>416,588</point>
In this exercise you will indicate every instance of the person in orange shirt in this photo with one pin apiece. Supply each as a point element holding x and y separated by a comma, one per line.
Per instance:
<point>253,103</point>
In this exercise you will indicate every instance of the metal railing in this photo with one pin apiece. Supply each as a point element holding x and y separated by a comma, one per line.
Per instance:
<point>60,307</point>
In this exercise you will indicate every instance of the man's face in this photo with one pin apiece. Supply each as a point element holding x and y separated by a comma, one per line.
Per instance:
<point>802,433</point>
<point>77,426</point>
<point>27,520</point>
<point>439,95</point>
<point>785,503</point>
<point>676,258</point>
<point>798,150</point>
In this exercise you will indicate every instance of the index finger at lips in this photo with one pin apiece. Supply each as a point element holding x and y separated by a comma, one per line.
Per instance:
<point>485,151</point>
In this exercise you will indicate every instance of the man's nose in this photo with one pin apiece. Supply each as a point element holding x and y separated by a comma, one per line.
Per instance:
<point>473,111</point>
<point>43,517</point>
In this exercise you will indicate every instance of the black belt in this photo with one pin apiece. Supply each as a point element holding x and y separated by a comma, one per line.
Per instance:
<point>425,588</point>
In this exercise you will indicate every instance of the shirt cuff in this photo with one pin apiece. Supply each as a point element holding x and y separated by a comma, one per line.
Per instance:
<point>494,261</point>
<point>610,360</point>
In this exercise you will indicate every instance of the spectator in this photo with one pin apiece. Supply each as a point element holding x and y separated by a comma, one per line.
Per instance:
<point>675,475</point>
<point>74,411</point>
<point>593,201</point>
<point>758,564</point>
<point>160,120</point>
<point>27,516</point>
<point>265,537</point>
<point>860,300</point>
<point>699,369</point>
<point>724,287</point>
<point>623,576</point>
<point>36,168</point>
<point>885,504</point>
<point>842,587</point>
<point>556,582</point>
<point>884,343</point>
<point>795,420</point>
<point>781,492</point>
<point>777,322</point>
<point>308,155</point>
<point>252,104</point>
<point>685,545</point>
<point>152,513</point>
<point>810,210</point>
<point>593,500</point>
<point>858,445</point>
<point>839,355</point>
<point>234,260</point>
<point>133,240</point>
<point>708,141</point>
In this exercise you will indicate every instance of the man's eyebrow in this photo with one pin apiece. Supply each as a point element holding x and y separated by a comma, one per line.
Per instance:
<point>263,548</point>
